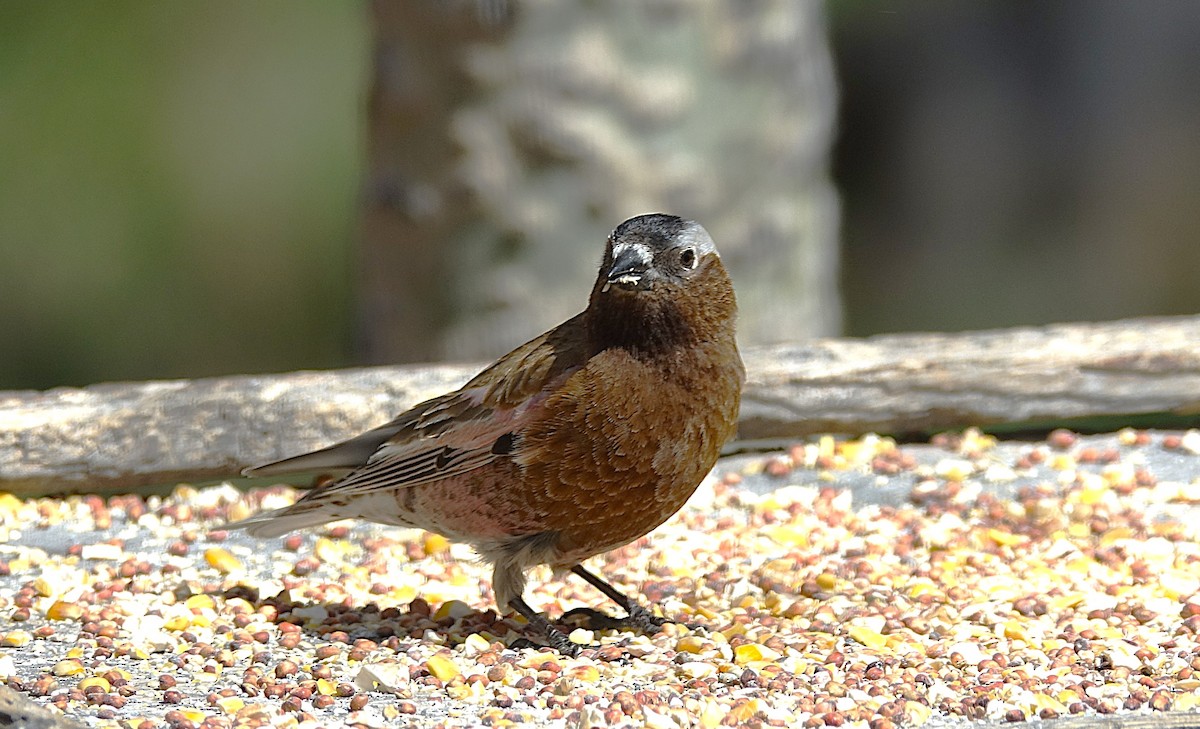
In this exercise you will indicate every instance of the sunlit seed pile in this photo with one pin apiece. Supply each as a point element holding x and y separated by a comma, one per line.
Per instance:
<point>810,606</point>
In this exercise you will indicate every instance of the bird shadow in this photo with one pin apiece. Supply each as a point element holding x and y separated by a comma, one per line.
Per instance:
<point>390,626</point>
<point>368,627</point>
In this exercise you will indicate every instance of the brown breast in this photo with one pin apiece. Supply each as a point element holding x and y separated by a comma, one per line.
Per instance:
<point>625,443</point>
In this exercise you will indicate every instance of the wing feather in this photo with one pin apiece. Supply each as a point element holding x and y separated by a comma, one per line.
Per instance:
<point>453,434</point>
<point>423,467</point>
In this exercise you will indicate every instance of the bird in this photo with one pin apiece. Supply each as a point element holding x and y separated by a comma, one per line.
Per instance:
<point>575,443</point>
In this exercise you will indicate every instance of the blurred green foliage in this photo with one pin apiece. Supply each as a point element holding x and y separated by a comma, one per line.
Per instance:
<point>178,187</point>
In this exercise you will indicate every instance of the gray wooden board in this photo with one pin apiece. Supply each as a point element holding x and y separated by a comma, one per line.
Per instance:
<point>119,437</point>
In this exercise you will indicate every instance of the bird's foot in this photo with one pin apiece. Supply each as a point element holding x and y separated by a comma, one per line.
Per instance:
<point>639,619</point>
<point>607,653</point>
<point>555,638</point>
<point>637,616</point>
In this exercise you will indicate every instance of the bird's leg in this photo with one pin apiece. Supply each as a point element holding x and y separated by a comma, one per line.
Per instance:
<point>636,616</point>
<point>556,639</point>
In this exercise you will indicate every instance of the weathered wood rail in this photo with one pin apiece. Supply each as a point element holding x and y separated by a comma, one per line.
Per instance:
<point>123,436</point>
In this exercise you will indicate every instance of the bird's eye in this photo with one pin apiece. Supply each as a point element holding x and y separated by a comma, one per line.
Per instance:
<point>687,258</point>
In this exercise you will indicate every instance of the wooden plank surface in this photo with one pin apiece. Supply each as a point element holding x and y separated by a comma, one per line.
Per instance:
<point>122,436</point>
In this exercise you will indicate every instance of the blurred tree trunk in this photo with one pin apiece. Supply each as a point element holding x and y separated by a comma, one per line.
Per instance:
<point>508,138</point>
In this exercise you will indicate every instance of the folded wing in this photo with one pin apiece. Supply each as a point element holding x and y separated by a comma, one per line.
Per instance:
<point>449,435</point>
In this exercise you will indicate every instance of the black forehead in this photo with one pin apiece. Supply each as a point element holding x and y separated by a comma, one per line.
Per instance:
<point>656,229</point>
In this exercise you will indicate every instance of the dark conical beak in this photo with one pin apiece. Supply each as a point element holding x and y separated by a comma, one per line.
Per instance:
<point>631,262</point>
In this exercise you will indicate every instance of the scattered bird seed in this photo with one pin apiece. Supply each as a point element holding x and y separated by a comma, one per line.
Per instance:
<point>837,583</point>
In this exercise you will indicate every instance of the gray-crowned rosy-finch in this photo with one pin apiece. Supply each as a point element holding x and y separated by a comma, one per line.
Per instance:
<point>575,443</point>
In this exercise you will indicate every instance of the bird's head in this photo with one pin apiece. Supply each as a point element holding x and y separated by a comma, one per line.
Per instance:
<point>661,284</point>
<point>652,250</point>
